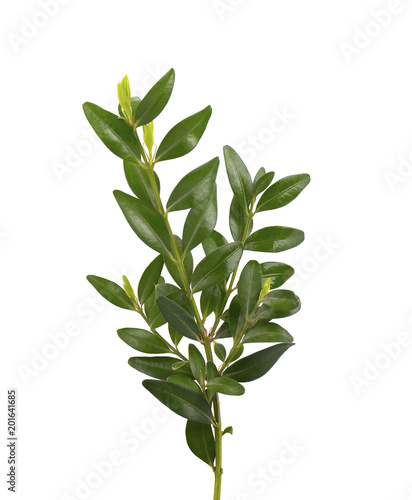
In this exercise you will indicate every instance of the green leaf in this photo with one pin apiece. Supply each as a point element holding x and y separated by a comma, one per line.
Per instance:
<point>184,136</point>
<point>228,430</point>
<point>223,332</point>
<point>197,363</point>
<point>262,181</point>
<point>201,442</point>
<point>278,304</point>
<point>216,266</point>
<point>225,385</point>
<point>139,182</point>
<point>148,224</point>
<point>282,192</point>
<point>113,131</point>
<point>256,365</point>
<point>195,187</point>
<point>236,317</point>
<point>214,241</point>
<point>278,273</point>
<point>123,92</point>
<point>209,300</point>
<point>267,332</point>
<point>155,100</point>
<point>249,287</point>
<point>211,370</point>
<point>160,367</point>
<point>238,221</point>
<point>239,177</point>
<point>236,352</point>
<point>143,341</point>
<point>178,317</point>
<point>149,279</point>
<point>184,401</point>
<point>220,351</point>
<point>200,222</point>
<point>111,291</point>
<point>175,336</point>
<point>173,268</point>
<point>274,239</point>
<point>182,380</point>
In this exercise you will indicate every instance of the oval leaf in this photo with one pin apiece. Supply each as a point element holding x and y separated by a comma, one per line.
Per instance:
<point>220,351</point>
<point>262,182</point>
<point>182,380</point>
<point>214,241</point>
<point>143,341</point>
<point>278,304</point>
<point>274,239</point>
<point>278,273</point>
<point>249,287</point>
<point>239,177</point>
<point>209,300</point>
<point>160,367</point>
<point>178,317</point>
<point>201,442</point>
<point>282,192</point>
<point>238,221</point>
<point>267,332</point>
<point>226,385</point>
<point>111,291</point>
<point>149,279</point>
<point>197,363</point>
<point>139,182</point>
<point>173,268</point>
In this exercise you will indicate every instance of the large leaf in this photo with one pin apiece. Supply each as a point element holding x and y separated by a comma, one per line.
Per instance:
<point>173,268</point>
<point>249,287</point>
<point>197,363</point>
<point>226,385</point>
<point>238,221</point>
<point>160,367</point>
<point>256,365</point>
<point>113,131</point>
<point>209,300</point>
<point>267,332</point>
<point>178,317</point>
<point>184,136</point>
<point>239,177</point>
<point>282,192</point>
<point>274,239</point>
<point>111,291</point>
<point>278,304</point>
<point>201,442</point>
<point>200,222</point>
<point>143,341</point>
<point>184,401</point>
<point>278,273</point>
<point>216,266</point>
<point>148,224</point>
<point>195,187</point>
<point>214,241</point>
<point>149,279</point>
<point>155,100</point>
<point>261,181</point>
<point>139,182</point>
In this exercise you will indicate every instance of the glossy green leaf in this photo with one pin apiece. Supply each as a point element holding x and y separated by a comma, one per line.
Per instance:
<point>155,100</point>
<point>173,268</point>
<point>236,352</point>
<point>149,279</point>
<point>238,221</point>
<point>114,132</point>
<point>236,317</point>
<point>256,365</point>
<point>135,101</point>
<point>267,332</point>
<point>282,192</point>
<point>274,239</point>
<point>148,224</point>
<point>111,291</point>
<point>151,301</point>
<point>214,241</point>
<point>209,300</point>
<point>220,351</point>
<point>223,331</point>
<point>278,273</point>
<point>139,182</point>
<point>178,317</point>
<point>160,367</point>
<point>184,401</point>
<point>201,442</point>
<point>226,385</point>
<point>249,287</point>
<point>278,304</point>
<point>262,181</point>
<point>200,222</point>
<point>216,266</point>
<point>123,93</point>
<point>143,341</point>
<point>182,380</point>
<point>197,363</point>
<point>239,177</point>
<point>195,187</point>
<point>184,136</point>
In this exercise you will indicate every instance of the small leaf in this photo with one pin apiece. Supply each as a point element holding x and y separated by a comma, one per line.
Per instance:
<point>214,241</point>
<point>195,187</point>
<point>236,352</point>
<point>220,351</point>
<point>209,300</point>
<point>114,132</point>
<point>178,317</point>
<point>223,332</point>
<point>216,266</point>
<point>239,177</point>
<point>226,385</point>
<point>175,336</point>
<point>148,224</point>
<point>111,291</point>
<point>236,317</point>
<point>278,304</point>
<point>155,100</point>
<point>278,273</point>
<point>182,380</point>
<point>197,363</point>
<point>228,430</point>
<point>139,182</point>
<point>261,183</point>
<point>238,220</point>
<point>184,401</point>
<point>123,92</point>
<point>211,370</point>
<point>282,192</point>
<point>173,268</point>
<point>274,239</point>
<point>143,341</point>
<point>249,287</point>
<point>267,332</point>
<point>184,136</point>
<point>160,367</point>
<point>256,365</point>
<point>201,442</point>
<point>149,279</point>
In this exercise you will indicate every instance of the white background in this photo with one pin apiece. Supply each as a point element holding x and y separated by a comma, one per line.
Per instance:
<point>349,124</point>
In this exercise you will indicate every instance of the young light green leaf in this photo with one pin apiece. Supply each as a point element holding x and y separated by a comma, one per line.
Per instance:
<point>220,351</point>
<point>214,241</point>
<point>256,365</point>
<point>184,136</point>
<point>197,363</point>
<point>278,273</point>
<point>238,221</point>
<point>146,222</point>
<point>195,187</point>
<point>143,341</point>
<point>160,367</point>
<point>278,304</point>
<point>123,92</point>
<point>111,291</point>
<point>249,287</point>
<point>282,192</point>
<point>239,177</point>
<point>149,279</point>
<point>209,300</point>
<point>228,430</point>
<point>139,182</point>
<point>267,332</point>
<point>274,239</point>
<point>226,385</point>
<point>216,266</point>
<point>184,401</point>
<point>201,442</point>
<point>155,100</point>
<point>178,317</point>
